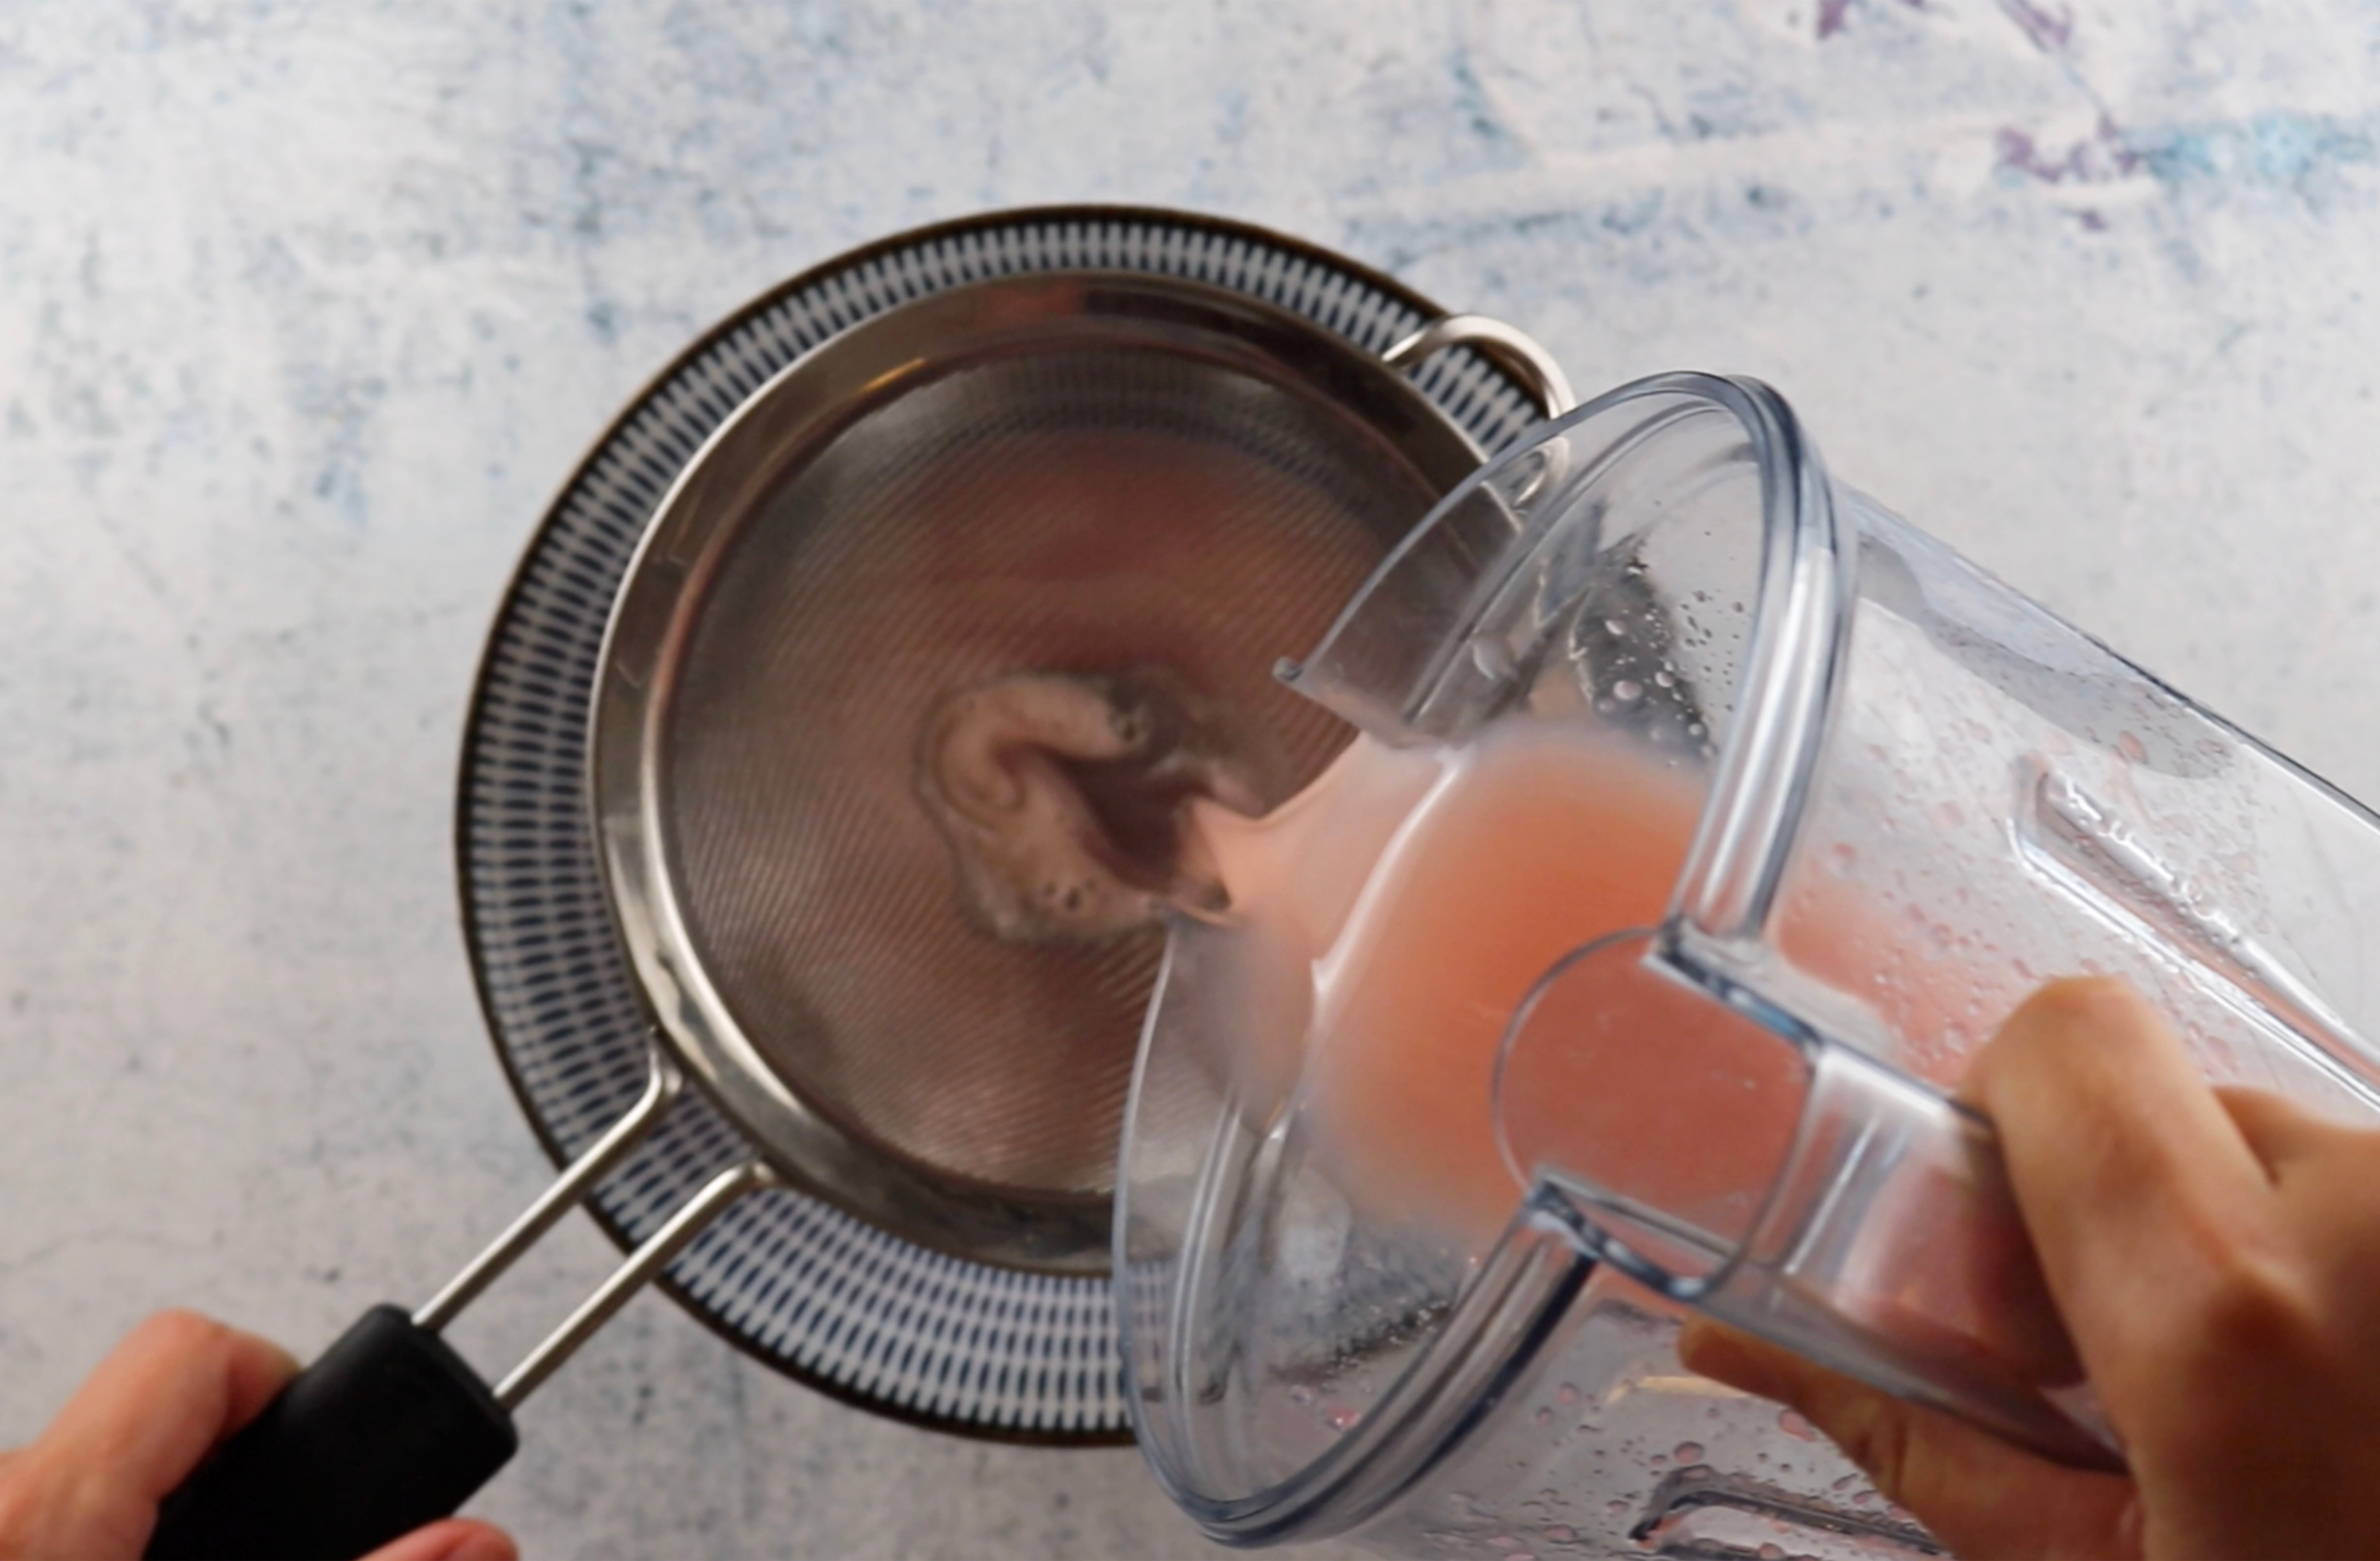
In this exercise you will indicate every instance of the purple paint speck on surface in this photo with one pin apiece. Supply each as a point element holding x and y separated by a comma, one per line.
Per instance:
<point>2103,156</point>
<point>1833,14</point>
<point>2050,31</point>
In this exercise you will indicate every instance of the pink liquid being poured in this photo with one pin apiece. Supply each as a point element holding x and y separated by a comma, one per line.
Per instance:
<point>1401,909</point>
<point>1406,902</point>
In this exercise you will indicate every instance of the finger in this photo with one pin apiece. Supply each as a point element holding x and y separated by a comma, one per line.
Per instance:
<point>1978,1493</point>
<point>451,1539</point>
<point>2138,1190</point>
<point>2277,1131</point>
<point>177,1384</point>
<point>88,1485</point>
<point>2322,1172</point>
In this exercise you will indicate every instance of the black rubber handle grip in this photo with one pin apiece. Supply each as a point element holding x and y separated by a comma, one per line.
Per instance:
<point>388,1431</point>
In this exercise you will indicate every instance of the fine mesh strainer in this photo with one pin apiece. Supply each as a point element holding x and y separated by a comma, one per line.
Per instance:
<point>1145,482</point>
<point>1135,488</point>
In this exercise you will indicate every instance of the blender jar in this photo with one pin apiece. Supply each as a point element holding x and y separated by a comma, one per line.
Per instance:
<point>1916,796</point>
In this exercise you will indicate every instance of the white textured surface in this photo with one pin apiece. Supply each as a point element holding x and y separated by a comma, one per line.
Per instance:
<point>306,309</point>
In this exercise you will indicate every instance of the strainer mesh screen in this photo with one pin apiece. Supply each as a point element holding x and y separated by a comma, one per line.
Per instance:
<point>1078,510</point>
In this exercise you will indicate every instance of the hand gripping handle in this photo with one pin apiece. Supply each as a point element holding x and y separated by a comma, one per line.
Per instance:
<point>391,1429</point>
<point>387,1430</point>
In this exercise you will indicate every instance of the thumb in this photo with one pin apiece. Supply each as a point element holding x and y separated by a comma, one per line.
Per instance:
<point>450,1538</point>
<point>1979,1495</point>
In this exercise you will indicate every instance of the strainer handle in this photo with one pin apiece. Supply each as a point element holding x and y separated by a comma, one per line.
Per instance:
<point>1508,346</point>
<point>390,1428</point>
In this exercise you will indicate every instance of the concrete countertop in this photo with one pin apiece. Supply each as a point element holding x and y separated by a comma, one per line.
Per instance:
<point>305,311</point>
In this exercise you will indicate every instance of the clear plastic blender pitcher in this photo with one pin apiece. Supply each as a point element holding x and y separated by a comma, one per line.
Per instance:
<point>1920,795</point>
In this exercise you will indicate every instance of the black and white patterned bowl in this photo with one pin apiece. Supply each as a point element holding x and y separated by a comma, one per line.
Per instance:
<point>828,1299</point>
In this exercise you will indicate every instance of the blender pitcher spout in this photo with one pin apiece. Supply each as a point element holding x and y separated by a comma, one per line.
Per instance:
<point>1485,606</point>
<point>1714,1151</point>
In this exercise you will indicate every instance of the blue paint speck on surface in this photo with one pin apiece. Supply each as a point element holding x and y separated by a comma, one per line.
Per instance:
<point>1499,147</point>
<point>2274,147</point>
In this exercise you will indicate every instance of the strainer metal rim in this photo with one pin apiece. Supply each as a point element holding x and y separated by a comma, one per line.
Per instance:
<point>782,426</point>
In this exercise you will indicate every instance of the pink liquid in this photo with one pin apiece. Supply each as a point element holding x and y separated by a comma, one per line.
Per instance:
<point>1408,900</point>
<point>1405,905</point>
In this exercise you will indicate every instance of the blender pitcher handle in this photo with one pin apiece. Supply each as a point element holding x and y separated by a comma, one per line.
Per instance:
<point>1791,1187</point>
<point>1509,347</point>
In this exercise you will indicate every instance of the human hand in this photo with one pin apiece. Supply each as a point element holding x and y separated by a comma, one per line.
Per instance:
<point>2215,1256</point>
<point>87,1489</point>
